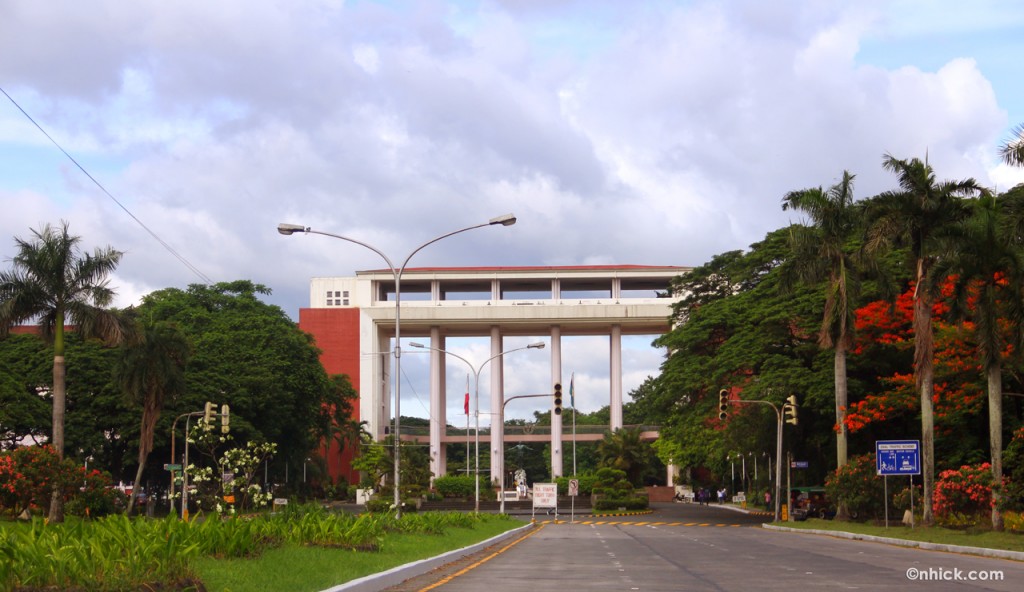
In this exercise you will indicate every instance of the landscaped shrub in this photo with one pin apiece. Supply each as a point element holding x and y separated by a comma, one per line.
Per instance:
<point>963,497</point>
<point>859,486</point>
<point>28,475</point>
<point>635,502</point>
<point>97,497</point>
<point>456,486</point>
<point>612,491</point>
<point>587,481</point>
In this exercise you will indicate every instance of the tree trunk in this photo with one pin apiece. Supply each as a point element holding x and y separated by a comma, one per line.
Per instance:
<point>924,368</point>
<point>995,435</point>
<point>56,514</point>
<point>135,484</point>
<point>842,512</point>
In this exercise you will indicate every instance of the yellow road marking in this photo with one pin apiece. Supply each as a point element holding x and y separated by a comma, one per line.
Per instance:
<point>465,570</point>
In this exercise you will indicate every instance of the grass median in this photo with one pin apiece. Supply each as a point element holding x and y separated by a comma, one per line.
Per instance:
<point>971,537</point>
<point>310,568</point>
<point>304,548</point>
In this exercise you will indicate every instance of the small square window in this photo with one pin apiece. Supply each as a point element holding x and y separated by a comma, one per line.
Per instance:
<point>344,294</point>
<point>345,302</point>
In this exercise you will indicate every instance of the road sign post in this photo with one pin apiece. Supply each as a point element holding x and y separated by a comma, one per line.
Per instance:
<point>574,490</point>
<point>898,457</point>
<point>545,496</point>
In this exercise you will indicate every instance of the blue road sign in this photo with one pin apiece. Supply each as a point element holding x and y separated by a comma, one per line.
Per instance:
<point>898,457</point>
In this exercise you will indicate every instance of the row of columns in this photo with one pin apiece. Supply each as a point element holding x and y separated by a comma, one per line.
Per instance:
<point>438,398</point>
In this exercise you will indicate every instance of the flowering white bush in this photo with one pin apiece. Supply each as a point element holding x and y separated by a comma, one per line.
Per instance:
<point>207,484</point>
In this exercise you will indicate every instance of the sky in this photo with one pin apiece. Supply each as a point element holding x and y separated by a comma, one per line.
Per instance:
<point>648,132</point>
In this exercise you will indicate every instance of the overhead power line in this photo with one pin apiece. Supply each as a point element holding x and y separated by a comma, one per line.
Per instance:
<point>155,236</point>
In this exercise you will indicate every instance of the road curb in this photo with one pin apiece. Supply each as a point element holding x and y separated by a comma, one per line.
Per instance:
<point>982,551</point>
<point>397,575</point>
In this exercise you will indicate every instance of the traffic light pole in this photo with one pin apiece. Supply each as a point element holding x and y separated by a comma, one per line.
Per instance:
<point>501,491</point>
<point>778,450</point>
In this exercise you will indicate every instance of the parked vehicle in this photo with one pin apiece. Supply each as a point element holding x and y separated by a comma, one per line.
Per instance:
<point>811,501</point>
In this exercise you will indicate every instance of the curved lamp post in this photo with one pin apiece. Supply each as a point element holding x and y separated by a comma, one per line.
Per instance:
<point>476,405</point>
<point>289,229</point>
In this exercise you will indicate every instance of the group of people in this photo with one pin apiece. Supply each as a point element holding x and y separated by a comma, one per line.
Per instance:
<point>703,496</point>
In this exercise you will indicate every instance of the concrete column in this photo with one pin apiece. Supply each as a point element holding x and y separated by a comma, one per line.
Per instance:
<point>437,403</point>
<point>671,472</point>
<point>556,420</point>
<point>497,400</point>
<point>616,377</point>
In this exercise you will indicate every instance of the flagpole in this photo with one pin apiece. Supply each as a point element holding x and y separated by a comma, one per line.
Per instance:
<point>467,425</point>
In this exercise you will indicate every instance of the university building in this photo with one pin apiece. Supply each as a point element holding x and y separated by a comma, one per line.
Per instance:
<point>353,321</point>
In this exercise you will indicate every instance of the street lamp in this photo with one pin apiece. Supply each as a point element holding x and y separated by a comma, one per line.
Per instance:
<point>476,405</point>
<point>289,229</point>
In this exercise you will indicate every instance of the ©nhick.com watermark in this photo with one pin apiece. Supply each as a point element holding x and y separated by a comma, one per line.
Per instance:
<point>942,574</point>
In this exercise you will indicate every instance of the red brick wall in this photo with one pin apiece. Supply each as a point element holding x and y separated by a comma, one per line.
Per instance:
<point>336,331</point>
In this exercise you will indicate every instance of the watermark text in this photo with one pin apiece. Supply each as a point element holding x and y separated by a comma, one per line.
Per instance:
<point>943,574</point>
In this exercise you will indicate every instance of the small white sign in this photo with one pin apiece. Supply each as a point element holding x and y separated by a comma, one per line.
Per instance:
<point>574,487</point>
<point>545,495</point>
<point>280,501</point>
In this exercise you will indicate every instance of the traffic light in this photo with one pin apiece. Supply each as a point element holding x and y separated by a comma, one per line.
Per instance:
<point>208,412</point>
<point>558,398</point>
<point>790,409</point>
<point>225,419</point>
<point>723,404</point>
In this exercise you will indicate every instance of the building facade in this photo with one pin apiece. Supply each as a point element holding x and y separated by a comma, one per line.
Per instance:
<point>353,320</point>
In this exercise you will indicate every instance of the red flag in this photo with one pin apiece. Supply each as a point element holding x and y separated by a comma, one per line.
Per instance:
<point>467,395</point>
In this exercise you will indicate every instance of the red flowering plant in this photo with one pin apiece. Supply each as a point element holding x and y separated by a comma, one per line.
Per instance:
<point>963,497</point>
<point>859,486</point>
<point>958,392</point>
<point>96,495</point>
<point>28,475</point>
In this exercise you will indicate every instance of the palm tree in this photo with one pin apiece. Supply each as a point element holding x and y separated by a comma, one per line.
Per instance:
<point>1012,150</point>
<point>821,252</point>
<point>150,371</point>
<point>986,270</point>
<point>624,450</point>
<point>53,283</point>
<point>918,216</point>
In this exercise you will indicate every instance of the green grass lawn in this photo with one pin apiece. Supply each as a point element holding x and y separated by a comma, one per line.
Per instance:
<point>946,536</point>
<point>299,569</point>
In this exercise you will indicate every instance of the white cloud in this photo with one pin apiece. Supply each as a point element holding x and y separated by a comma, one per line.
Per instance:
<point>660,134</point>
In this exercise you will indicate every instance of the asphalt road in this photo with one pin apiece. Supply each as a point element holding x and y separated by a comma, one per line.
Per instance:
<point>690,547</point>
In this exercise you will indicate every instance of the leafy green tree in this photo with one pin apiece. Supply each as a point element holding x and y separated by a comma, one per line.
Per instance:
<point>737,328</point>
<point>251,356</point>
<point>150,371</point>
<point>24,380</point>
<point>986,271</point>
<point>53,282</point>
<point>918,216</point>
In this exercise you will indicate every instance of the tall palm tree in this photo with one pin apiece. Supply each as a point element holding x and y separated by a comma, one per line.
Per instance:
<point>821,253</point>
<point>150,371</point>
<point>986,270</point>
<point>52,283</point>
<point>1012,150</point>
<point>918,216</point>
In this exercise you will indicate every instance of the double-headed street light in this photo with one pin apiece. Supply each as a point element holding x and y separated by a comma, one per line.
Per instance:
<point>476,405</point>
<point>289,229</point>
